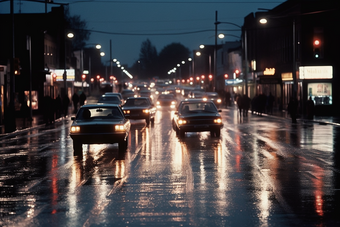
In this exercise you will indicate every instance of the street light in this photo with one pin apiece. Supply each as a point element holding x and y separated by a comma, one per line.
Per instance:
<point>215,53</point>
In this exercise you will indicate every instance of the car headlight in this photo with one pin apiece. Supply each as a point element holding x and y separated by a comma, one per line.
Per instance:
<point>219,100</point>
<point>146,111</point>
<point>157,102</point>
<point>126,111</point>
<point>182,122</point>
<point>75,129</point>
<point>119,128</point>
<point>218,121</point>
<point>173,103</point>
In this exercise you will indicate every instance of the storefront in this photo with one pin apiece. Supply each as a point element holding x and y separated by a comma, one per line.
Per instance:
<point>317,82</point>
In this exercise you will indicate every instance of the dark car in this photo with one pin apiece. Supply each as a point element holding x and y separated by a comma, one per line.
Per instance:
<point>140,108</point>
<point>97,124</point>
<point>197,115</point>
<point>110,99</point>
<point>126,93</point>
<point>115,93</point>
<point>166,100</point>
<point>213,96</point>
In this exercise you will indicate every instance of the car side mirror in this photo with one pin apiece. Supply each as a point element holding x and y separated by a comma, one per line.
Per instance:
<point>220,111</point>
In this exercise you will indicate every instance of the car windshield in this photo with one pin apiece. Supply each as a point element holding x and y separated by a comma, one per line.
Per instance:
<point>99,113</point>
<point>195,107</point>
<point>137,102</point>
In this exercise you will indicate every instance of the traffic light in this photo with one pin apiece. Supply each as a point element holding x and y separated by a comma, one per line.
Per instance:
<point>16,66</point>
<point>316,48</point>
<point>318,43</point>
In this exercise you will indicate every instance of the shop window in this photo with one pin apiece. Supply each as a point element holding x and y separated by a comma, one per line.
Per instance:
<point>321,93</point>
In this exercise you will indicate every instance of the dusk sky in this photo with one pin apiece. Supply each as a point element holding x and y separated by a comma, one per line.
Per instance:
<point>128,23</point>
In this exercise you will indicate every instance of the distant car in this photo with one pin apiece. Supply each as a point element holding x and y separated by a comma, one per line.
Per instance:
<point>126,93</point>
<point>112,99</point>
<point>166,100</point>
<point>197,115</point>
<point>213,96</point>
<point>145,93</point>
<point>97,124</point>
<point>140,108</point>
<point>115,93</point>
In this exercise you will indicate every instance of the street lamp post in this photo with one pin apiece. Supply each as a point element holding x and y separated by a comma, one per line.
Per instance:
<point>215,52</point>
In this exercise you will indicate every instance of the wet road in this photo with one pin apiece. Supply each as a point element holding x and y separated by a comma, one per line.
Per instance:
<point>262,171</point>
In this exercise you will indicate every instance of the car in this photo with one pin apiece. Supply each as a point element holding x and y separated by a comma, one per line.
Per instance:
<point>166,100</point>
<point>113,99</point>
<point>139,108</point>
<point>115,93</point>
<point>213,96</point>
<point>197,115</point>
<point>126,93</point>
<point>99,124</point>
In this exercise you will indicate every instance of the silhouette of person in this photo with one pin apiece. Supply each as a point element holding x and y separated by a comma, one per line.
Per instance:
<point>292,109</point>
<point>75,101</point>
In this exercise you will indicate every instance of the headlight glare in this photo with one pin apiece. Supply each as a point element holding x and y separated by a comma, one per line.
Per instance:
<point>146,111</point>
<point>218,121</point>
<point>75,129</point>
<point>182,122</point>
<point>119,127</point>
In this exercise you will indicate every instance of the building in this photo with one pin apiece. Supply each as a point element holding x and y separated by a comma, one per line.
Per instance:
<point>39,49</point>
<point>295,53</point>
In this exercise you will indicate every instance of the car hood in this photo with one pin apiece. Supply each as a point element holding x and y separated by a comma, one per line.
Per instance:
<point>135,107</point>
<point>200,115</point>
<point>99,122</point>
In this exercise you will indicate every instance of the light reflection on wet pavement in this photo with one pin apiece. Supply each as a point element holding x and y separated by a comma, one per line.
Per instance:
<point>262,172</point>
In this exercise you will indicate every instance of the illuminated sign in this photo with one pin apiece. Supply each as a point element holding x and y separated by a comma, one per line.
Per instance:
<point>269,71</point>
<point>316,72</point>
<point>60,72</point>
<point>233,81</point>
<point>287,76</point>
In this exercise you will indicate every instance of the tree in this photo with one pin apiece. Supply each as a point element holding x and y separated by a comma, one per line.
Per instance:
<point>79,28</point>
<point>148,60</point>
<point>170,56</point>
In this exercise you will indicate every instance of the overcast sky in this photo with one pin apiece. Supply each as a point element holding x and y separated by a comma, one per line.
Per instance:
<point>127,23</point>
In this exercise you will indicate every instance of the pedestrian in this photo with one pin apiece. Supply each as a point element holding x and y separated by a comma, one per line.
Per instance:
<point>75,101</point>
<point>240,105</point>
<point>65,103</point>
<point>246,104</point>
<point>254,104</point>
<point>292,109</point>
<point>310,108</point>
<point>82,99</point>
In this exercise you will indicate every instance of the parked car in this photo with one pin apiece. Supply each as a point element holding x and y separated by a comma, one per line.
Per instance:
<point>166,100</point>
<point>139,108</point>
<point>98,124</point>
<point>197,115</point>
<point>112,99</point>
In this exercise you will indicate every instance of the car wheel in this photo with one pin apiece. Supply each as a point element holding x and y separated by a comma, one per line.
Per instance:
<point>77,148</point>
<point>147,121</point>
<point>181,133</point>
<point>218,133</point>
